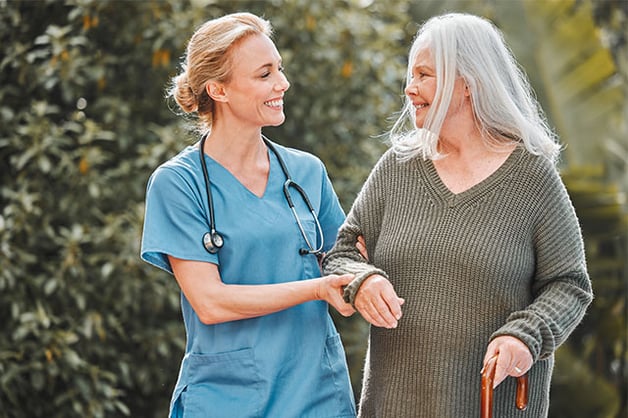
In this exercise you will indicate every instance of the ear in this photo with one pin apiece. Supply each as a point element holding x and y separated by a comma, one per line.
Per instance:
<point>216,91</point>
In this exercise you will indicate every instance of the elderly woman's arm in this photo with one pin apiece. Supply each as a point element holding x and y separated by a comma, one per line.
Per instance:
<point>370,292</point>
<point>561,289</point>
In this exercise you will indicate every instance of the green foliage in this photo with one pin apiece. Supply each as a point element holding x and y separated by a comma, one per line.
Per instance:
<point>598,346</point>
<point>596,396</point>
<point>87,329</point>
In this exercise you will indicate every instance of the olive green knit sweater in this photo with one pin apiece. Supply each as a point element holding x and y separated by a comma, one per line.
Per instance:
<point>504,257</point>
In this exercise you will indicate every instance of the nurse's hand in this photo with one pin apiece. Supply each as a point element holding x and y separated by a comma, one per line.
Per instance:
<point>331,288</point>
<point>378,303</point>
<point>361,246</point>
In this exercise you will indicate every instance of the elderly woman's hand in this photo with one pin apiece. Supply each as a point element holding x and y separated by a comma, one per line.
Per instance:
<point>513,357</point>
<point>378,303</point>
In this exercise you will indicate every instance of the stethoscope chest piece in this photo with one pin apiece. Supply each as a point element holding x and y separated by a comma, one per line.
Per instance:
<point>212,241</point>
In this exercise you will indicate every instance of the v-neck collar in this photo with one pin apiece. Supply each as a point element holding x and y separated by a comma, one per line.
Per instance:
<point>273,167</point>
<point>441,191</point>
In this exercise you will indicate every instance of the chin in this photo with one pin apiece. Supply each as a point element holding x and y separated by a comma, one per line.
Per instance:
<point>277,122</point>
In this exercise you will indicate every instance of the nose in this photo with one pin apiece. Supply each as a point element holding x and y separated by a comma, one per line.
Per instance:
<point>283,84</point>
<point>412,89</point>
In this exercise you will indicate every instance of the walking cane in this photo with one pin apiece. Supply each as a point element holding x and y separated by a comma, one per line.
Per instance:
<point>486,401</point>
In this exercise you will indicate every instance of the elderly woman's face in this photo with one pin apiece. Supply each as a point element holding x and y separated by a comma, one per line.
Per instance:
<point>422,86</point>
<point>421,90</point>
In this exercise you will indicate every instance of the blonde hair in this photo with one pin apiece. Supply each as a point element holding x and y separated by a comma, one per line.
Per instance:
<point>207,58</point>
<point>504,104</point>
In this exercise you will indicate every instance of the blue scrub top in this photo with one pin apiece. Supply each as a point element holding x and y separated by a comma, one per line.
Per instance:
<point>286,364</point>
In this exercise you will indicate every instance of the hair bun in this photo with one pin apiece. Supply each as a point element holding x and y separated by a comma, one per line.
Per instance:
<point>184,95</point>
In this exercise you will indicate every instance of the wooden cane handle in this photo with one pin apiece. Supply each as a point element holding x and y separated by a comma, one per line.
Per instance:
<point>522,392</point>
<point>486,399</point>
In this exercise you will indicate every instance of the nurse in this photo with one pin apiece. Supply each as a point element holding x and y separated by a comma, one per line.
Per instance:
<point>260,340</point>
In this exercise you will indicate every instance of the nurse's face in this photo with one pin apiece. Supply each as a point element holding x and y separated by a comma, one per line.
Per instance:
<point>254,93</point>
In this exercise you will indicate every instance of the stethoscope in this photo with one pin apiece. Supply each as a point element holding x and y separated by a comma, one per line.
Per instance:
<point>213,241</point>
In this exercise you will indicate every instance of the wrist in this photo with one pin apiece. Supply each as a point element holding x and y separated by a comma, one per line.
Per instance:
<point>352,288</point>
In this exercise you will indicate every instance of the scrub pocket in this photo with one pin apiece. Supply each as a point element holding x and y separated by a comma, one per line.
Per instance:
<point>219,385</point>
<point>335,356</point>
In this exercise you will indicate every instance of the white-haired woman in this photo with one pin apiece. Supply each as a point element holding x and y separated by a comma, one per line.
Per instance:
<point>469,231</point>
<point>260,340</point>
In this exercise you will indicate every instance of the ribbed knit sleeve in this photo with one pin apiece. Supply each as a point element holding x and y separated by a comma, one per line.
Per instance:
<point>364,219</point>
<point>561,288</point>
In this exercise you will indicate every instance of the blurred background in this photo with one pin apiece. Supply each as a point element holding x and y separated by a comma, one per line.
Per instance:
<point>89,330</point>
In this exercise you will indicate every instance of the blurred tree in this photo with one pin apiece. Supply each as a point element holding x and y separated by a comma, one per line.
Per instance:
<point>584,90</point>
<point>87,330</point>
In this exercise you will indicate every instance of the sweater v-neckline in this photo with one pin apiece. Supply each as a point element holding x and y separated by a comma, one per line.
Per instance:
<point>453,199</point>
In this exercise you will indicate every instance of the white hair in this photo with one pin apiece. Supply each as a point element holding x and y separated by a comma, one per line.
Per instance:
<point>504,105</point>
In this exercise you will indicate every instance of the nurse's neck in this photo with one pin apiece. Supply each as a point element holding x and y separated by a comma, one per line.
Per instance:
<point>237,150</point>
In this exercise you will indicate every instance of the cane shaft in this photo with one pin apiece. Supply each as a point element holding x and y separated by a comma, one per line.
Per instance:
<point>486,399</point>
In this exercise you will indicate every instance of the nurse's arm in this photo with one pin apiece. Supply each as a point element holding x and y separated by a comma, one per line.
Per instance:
<point>215,302</point>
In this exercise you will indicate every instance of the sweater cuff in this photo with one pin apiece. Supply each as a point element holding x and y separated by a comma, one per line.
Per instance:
<point>526,335</point>
<point>352,288</point>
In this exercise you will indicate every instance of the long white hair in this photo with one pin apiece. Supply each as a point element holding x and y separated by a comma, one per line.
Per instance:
<point>504,105</point>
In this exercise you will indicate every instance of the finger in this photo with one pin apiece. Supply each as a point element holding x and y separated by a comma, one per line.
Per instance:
<point>487,357</point>
<point>517,371</point>
<point>394,307</point>
<point>486,363</point>
<point>372,314</point>
<point>386,313</point>
<point>372,317</point>
<point>345,279</point>
<point>345,309</point>
<point>361,246</point>
<point>503,367</point>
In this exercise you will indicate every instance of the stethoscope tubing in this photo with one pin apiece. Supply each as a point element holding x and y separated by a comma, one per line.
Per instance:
<point>286,191</point>
<point>212,241</point>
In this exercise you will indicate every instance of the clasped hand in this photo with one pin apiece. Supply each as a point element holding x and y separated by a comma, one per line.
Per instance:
<point>378,303</point>
<point>331,289</point>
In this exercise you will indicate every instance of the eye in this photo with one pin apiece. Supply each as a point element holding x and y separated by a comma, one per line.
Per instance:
<point>281,68</point>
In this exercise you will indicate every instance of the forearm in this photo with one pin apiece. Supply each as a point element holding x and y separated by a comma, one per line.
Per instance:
<point>556,311</point>
<point>229,302</point>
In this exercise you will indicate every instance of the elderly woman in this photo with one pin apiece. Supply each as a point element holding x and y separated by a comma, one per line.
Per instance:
<point>470,233</point>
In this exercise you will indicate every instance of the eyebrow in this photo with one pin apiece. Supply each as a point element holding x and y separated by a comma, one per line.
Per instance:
<point>422,67</point>
<point>269,65</point>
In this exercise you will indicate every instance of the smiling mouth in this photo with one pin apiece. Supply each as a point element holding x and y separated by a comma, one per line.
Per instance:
<point>420,106</point>
<point>274,103</point>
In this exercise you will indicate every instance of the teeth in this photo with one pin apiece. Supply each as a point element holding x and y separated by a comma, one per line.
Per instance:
<point>421,106</point>
<point>274,103</point>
